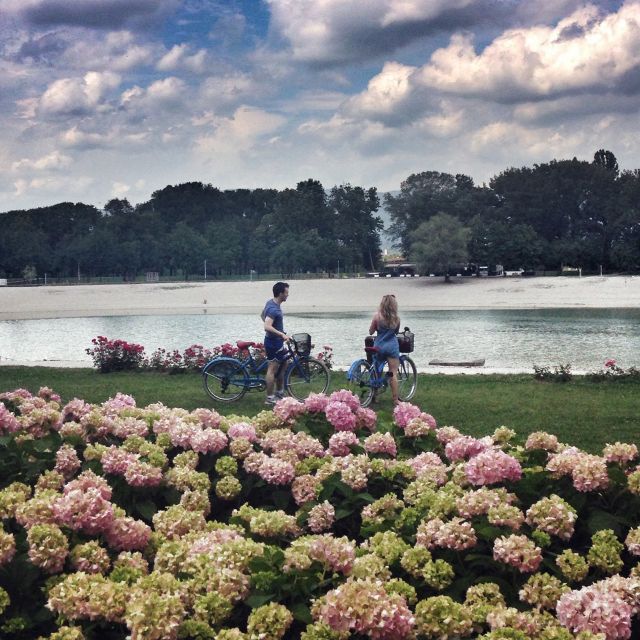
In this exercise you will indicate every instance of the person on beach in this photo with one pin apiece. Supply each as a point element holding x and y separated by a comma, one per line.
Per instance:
<point>274,340</point>
<point>386,324</point>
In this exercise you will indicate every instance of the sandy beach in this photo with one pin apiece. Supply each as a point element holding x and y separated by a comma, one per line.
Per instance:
<point>308,296</point>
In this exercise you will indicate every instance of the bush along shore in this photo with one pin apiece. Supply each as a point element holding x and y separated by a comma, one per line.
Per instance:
<point>317,520</point>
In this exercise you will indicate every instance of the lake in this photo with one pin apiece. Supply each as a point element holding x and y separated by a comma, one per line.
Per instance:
<point>509,340</point>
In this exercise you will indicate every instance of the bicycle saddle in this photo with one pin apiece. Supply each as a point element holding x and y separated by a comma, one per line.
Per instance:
<point>371,349</point>
<point>242,345</point>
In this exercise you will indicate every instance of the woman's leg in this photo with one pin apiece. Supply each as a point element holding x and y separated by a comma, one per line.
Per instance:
<point>394,363</point>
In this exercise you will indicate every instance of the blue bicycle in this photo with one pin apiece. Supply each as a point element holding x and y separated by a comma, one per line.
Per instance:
<point>227,379</point>
<point>370,377</point>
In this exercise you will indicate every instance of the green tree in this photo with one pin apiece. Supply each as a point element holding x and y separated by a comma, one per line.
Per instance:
<point>439,243</point>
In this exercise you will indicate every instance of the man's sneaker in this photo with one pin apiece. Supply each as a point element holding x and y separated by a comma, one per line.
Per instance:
<point>270,400</point>
<point>280,394</point>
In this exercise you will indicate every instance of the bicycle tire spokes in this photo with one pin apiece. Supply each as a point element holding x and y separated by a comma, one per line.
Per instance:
<point>305,376</point>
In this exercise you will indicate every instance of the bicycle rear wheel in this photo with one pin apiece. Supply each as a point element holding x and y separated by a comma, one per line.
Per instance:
<point>360,381</point>
<point>306,376</point>
<point>407,379</point>
<point>225,380</point>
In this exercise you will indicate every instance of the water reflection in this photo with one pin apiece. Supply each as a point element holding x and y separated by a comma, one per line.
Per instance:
<point>507,339</point>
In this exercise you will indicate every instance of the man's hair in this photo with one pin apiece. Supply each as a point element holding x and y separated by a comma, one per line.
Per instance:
<point>279,288</point>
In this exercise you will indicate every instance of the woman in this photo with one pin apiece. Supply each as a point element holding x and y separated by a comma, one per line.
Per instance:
<point>387,323</point>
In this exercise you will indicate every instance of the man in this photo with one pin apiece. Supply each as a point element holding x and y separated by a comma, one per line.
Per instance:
<point>274,340</point>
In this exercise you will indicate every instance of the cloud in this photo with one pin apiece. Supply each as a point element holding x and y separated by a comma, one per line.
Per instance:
<point>240,132</point>
<point>334,32</point>
<point>97,14</point>
<point>51,162</point>
<point>53,185</point>
<point>585,52</point>
<point>178,58</point>
<point>69,96</point>
<point>75,138</point>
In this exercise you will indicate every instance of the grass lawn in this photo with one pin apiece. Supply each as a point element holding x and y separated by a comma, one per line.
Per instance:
<point>579,412</point>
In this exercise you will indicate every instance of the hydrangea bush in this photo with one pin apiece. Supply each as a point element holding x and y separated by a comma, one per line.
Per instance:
<point>311,521</point>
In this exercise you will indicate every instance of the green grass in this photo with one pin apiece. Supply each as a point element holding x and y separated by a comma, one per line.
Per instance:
<point>579,412</point>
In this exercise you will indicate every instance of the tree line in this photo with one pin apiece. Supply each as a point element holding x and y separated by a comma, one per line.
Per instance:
<point>235,231</point>
<point>564,212</point>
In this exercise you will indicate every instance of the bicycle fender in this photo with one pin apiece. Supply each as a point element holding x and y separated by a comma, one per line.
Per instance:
<point>354,367</point>
<point>220,359</point>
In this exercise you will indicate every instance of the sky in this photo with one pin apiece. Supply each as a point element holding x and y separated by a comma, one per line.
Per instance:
<point>118,98</point>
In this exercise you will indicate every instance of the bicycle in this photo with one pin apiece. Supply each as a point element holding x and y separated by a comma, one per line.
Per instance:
<point>227,379</point>
<point>370,377</point>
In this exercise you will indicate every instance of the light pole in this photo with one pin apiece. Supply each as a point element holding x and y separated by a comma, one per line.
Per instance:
<point>205,269</point>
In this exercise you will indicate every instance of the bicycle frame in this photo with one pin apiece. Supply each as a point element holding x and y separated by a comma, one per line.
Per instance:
<point>256,371</point>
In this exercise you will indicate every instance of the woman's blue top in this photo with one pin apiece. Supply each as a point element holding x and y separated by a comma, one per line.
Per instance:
<point>386,341</point>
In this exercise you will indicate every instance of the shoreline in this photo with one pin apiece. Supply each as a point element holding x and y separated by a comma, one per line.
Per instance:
<point>356,295</point>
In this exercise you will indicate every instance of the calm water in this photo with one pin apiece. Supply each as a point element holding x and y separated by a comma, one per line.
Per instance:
<point>507,339</point>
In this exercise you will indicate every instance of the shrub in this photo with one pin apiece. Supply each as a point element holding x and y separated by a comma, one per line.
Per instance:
<point>612,372</point>
<point>115,355</point>
<point>560,373</point>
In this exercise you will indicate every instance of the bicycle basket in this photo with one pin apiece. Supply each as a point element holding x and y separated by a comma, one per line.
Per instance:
<point>368,342</point>
<point>302,342</point>
<point>405,341</point>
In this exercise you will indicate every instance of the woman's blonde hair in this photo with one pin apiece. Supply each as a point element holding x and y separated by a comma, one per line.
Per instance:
<point>388,311</point>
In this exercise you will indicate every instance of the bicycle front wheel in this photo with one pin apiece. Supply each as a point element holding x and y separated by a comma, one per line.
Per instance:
<point>361,382</point>
<point>306,376</point>
<point>225,380</point>
<point>407,379</point>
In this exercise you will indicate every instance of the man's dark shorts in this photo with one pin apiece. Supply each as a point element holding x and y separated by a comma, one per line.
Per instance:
<point>276,353</point>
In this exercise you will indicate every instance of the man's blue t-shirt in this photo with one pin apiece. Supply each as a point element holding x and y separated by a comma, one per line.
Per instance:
<point>272,310</point>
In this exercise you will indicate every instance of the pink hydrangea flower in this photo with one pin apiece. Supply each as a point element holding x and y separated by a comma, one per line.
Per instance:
<point>446,434</point>
<point>344,395</point>
<point>316,402</point>
<point>75,409</point>
<point>404,412</point>
<point>89,480</point>
<point>288,409</point>
<point>276,471</point>
<point>340,443</point>
<point>208,418</point>
<point>429,465</point>
<point>242,430</point>
<point>492,466</point>
<point>321,517</point>
<point>366,419</point>
<point>381,443</point>
<point>596,610</point>
<point>518,551</point>
<point>463,447</point>
<point>115,460</point>
<point>208,440</point>
<point>127,534</point>
<point>48,394</point>
<point>590,473</point>
<point>304,488</point>
<point>340,416</point>
<point>67,461</point>
<point>142,474</point>
<point>119,402</point>
<point>83,510</point>
<point>8,422</point>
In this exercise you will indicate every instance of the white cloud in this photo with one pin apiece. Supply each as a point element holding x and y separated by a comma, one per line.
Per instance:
<point>77,95</point>
<point>339,31</point>
<point>53,185</point>
<point>178,58</point>
<point>75,138</point>
<point>584,52</point>
<point>52,161</point>
<point>240,132</point>
<point>385,91</point>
